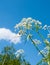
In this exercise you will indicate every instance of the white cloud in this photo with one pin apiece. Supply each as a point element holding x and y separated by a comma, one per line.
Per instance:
<point>8,35</point>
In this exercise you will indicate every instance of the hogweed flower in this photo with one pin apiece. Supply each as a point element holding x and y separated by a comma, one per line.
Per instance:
<point>46,41</point>
<point>37,41</point>
<point>26,26</point>
<point>21,32</point>
<point>44,51</point>
<point>19,52</point>
<point>47,47</point>
<point>27,23</point>
<point>29,19</point>
<point>38,22</point>
<point>45,27</point>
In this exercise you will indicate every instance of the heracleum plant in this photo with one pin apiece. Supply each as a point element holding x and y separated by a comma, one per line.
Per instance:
<point>26,28</point>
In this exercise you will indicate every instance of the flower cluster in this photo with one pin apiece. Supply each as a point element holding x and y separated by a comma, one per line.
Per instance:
<point>44,51</point>
<point>37,41</point>
<point>19,52</point>
<point>46,41</point>
<point>27,23</point>
<point>46,28</point>
<point>27,27</point>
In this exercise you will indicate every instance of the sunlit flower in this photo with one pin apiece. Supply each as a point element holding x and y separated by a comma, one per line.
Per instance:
<point>47,48</point>
<point>37,41</point>
<point>21,32</point>
<point>46,41</point>
<point>43,52</point>
<point>27,23</point>
<point>28,26</point>
<point>23,20</point>
<point>38,22</point>
<point>29,19</point>
<point>18,25</point>
<point>45,27</point>
<point>19,52</point>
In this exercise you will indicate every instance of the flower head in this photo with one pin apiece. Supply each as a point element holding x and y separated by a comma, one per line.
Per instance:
<point>37,41</point>
<point>46,41</point>
<point>19,52</point>
<point>27,23</point>
<point>38,22</point>
<point>45,27</point>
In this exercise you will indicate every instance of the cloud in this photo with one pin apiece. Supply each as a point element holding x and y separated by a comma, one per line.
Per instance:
<point>8,35</point>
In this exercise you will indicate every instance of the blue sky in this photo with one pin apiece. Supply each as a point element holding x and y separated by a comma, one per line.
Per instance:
<point>12,11</point>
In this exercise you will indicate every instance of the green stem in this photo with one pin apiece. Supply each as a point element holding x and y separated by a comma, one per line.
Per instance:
<point>41,36</point>
<point>4,60</point>
<point>36,47</point>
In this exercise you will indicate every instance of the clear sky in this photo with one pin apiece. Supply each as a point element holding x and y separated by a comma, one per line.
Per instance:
<point>12,11</point>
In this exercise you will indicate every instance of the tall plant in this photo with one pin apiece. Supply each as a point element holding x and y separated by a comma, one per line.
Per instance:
<point>29,28</point>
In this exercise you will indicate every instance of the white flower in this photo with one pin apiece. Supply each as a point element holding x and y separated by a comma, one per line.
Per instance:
<point>17,25</point>
<point>45,27</point>
<point>29,19</point>
<point>27,23</point>
<point>43,51</point>
<point>23,20</point>
<point>21,32</point>
<point>28,26</point>
<point>34,21</point>
<point>48,35</point>
<point>37,41</point>
<point>19,52</point>
<point>38,22</point>
<point>47,48</point>
<point>26,20</point>
<point>46,41</point>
